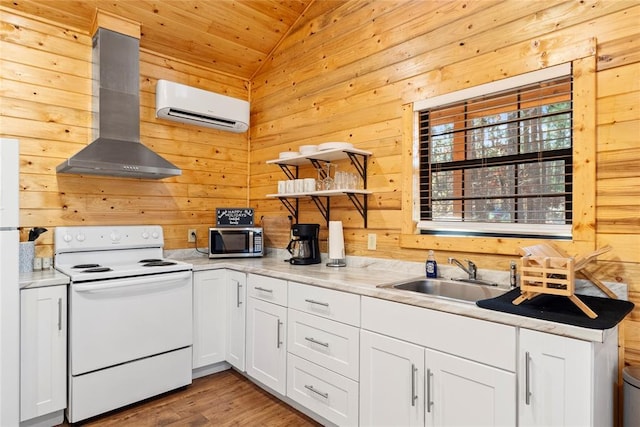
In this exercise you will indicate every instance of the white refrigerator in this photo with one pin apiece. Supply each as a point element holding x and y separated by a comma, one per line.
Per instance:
<point>9,286</point>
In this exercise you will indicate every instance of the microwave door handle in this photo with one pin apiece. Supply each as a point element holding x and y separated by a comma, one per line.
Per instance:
<point>147,281</point>
<point>251,247</point>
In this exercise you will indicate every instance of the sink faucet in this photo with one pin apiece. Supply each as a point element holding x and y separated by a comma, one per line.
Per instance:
<point>472,270</point>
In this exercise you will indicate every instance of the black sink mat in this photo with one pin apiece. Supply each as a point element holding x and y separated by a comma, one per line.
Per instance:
<point>562,310</point>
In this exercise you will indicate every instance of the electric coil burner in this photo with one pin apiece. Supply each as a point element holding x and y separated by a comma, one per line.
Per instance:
<point>130,321</point>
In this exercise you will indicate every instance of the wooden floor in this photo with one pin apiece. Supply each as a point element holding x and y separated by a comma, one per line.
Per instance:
<point>223,399</point>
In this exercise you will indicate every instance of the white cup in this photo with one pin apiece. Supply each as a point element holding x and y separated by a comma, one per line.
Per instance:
<point>298,185</point>
<point>289,187</point>
<point>282,187</point>
<point>309,185</point>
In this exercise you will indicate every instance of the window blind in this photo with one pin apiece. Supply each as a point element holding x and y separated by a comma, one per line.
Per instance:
<point>501,158</point>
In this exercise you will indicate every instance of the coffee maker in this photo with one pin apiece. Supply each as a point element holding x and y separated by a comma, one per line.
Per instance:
<point>304,247</point>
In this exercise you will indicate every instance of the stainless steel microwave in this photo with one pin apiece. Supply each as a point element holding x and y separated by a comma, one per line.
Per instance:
<point>232,242</point>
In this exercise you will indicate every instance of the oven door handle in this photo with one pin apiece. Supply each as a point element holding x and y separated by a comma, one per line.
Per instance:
<point>153,280</point>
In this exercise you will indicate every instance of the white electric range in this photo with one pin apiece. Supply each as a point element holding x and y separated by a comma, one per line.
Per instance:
<point>130,316</point>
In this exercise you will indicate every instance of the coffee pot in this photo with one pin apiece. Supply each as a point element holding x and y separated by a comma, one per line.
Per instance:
<point>304,247</point>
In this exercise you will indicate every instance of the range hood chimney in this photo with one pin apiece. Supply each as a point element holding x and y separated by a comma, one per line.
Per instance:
<point>117,150</point>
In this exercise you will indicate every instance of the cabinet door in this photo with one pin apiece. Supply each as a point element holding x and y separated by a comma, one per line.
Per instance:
<point>266,344</point>
<point>209,317</point>
<point>43,351</point>
<point>391,381</point>
<point>460,392</point>
<point>555,380</point>
<point>236,318</point>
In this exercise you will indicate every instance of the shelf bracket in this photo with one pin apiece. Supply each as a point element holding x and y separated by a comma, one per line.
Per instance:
<point>361,206</point>
<point>288,172</point>
<point>319,166</point>
<point>324,208</point>
<point>359,161</point>
<point>293,209</point>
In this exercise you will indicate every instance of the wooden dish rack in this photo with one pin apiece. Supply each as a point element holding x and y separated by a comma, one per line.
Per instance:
<point>544,269</point>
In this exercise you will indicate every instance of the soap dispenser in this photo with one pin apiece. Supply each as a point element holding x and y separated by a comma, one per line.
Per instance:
<point>431,266</point>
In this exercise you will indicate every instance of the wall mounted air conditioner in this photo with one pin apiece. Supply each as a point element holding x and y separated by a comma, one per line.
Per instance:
<point>199,107</point>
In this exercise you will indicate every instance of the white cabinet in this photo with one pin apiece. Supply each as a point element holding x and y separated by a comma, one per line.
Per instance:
<point>460,392</point>
<point>209,317</point>
<point>236,318</point>
<point>405,384</point>
<point>43,351</point>
<point>438,370</point>
<point>266,331</point>
<point>391,382</point>
<point>565,381</point>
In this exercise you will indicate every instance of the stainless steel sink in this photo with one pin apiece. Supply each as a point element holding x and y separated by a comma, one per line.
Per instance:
<point>450,289</point>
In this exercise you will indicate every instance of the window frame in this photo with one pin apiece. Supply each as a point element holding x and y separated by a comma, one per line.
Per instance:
<point>584,155</point>
<point>457,99</point>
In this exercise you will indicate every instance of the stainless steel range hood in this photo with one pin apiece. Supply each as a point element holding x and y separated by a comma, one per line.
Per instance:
<point>117,150</point>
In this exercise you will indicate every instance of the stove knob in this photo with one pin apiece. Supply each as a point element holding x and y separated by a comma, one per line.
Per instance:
<point>115,236</point>
<point>80,237</point>
<point>145,235</point>
<point>155,235</point>
<point>68,237</point>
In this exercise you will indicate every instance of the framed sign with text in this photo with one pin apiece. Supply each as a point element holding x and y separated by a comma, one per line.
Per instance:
<point>234,217</point>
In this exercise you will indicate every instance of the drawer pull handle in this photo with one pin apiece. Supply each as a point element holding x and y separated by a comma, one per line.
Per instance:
<point>264,289</point>
<point>527,378</point>
<point>319,393</point>
<point>429,401</point>
<point>238,286</point>
<point>59,314</point>
<point>414,396</point>
<point>278,334</point>
<point>315,341</point>
<point>324,304</point>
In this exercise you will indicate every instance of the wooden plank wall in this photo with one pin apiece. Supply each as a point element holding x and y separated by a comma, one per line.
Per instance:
<point>46,103</point>
<point>345,71</point>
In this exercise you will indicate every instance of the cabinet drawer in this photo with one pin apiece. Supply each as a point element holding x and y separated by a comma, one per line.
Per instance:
<point>335,305</point>
<point>326,393</point>
<point>268,289</point>
<point>330,344</point>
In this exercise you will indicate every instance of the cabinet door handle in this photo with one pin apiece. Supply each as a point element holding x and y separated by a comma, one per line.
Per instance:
<point>319,393</point>
<point>429,401</point>
<point>59,314</point>
<point>278,334</point>
<point>264,289</point>
<point>315,341</point>
<point>238,286</point>
<point>324,304</point>
<point>414,396</point>
<point>527,378</point>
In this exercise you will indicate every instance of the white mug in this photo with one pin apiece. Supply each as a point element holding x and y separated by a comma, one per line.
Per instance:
<point>298,185</point>
<point>309,185</point>
<point>282,187</point>
<point>289,186</point>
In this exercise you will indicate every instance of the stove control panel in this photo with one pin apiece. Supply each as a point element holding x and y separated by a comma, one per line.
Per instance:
<point>87,238</point>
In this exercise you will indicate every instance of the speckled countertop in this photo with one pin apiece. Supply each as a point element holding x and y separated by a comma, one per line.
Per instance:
<point>40,278</point>
<point>363,276</point>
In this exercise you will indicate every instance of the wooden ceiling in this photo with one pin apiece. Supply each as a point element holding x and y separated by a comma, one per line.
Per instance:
<point>230,36</point>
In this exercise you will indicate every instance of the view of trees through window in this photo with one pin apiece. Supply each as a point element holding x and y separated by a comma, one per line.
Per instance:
<point>503,158</point>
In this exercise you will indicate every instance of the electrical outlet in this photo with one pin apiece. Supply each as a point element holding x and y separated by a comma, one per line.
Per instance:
<point>37,263</point>
<point>371,242</point>
<point>46,263</point>
<point>191,235</point>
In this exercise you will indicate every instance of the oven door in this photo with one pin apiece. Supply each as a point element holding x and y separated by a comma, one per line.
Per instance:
<point>119,320</point>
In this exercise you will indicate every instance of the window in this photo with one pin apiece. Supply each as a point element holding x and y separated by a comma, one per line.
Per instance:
<point>497,159</point>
